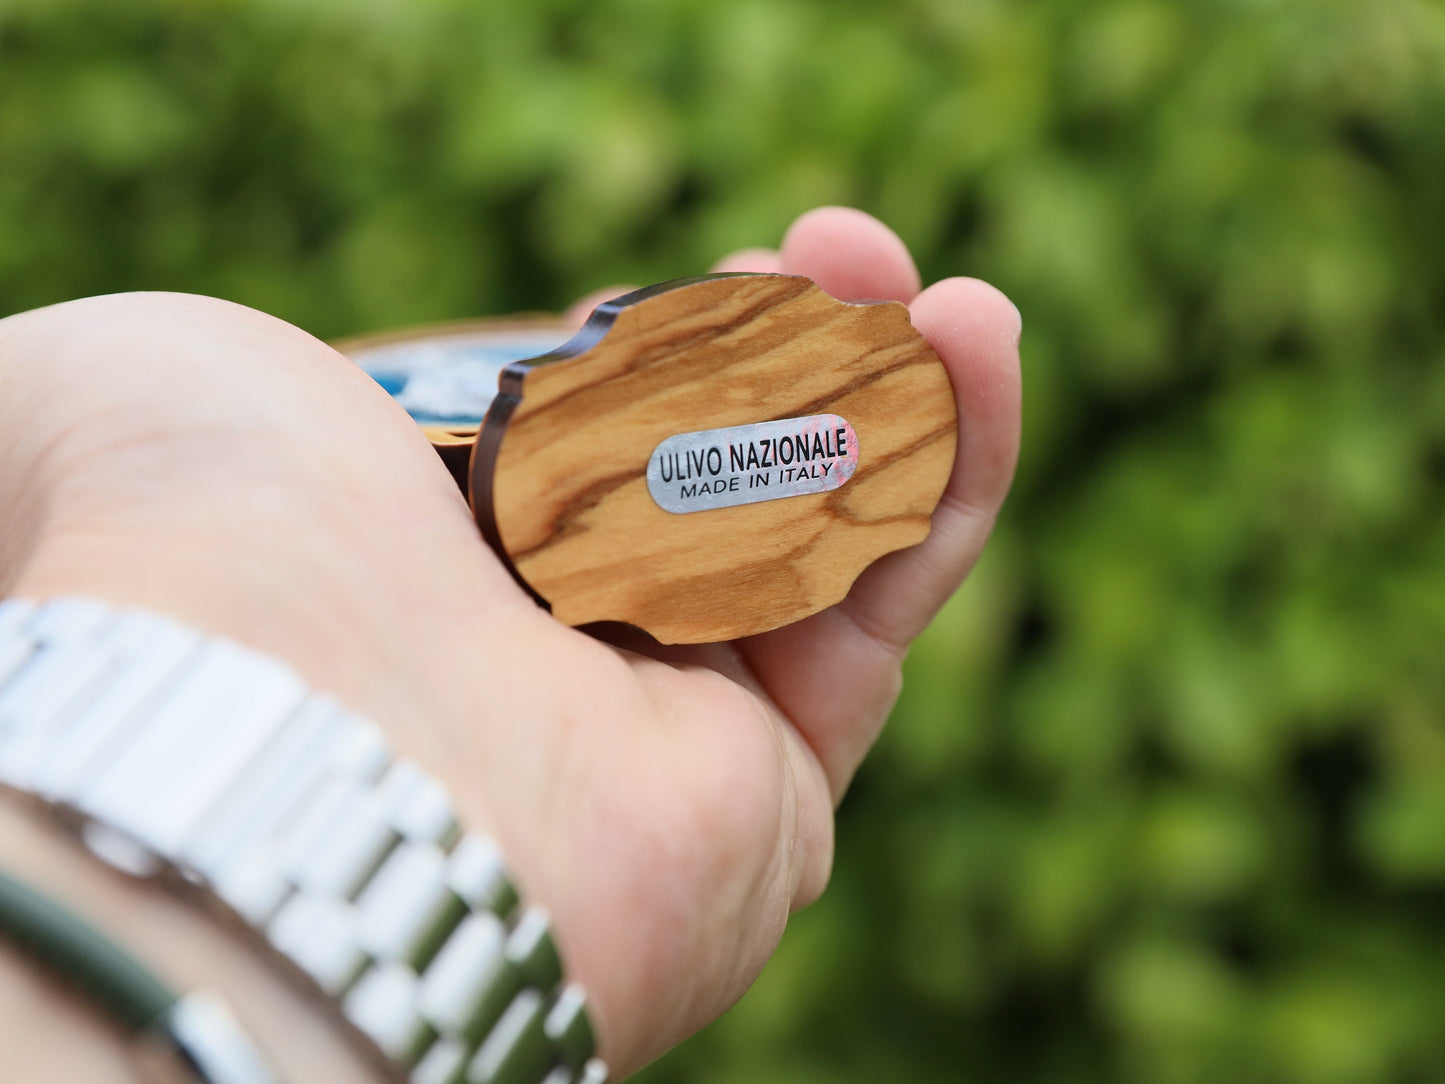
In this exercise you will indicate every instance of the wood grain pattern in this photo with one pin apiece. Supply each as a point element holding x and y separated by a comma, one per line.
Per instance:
<point>559,471</point>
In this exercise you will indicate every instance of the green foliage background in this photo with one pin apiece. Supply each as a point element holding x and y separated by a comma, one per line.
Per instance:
<point>1165,798</point>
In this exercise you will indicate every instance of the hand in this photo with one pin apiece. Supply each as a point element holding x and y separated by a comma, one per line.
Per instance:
<point>670,806</point>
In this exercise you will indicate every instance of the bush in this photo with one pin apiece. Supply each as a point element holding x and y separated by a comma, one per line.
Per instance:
<point>1165,799</point>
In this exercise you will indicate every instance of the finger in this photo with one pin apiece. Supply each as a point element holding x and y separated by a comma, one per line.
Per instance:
<point>851,255</point>
<point>836,674</point>
<point>761,261</point>
<point>577,313</point>
<point>975,330</point>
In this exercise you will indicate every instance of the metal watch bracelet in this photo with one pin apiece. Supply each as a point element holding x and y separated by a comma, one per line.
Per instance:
<point>175,751</point>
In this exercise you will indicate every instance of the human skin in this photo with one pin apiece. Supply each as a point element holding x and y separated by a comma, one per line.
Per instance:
<point>669,806</point>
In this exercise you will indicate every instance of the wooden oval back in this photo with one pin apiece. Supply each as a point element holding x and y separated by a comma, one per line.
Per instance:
<point>559,475</point>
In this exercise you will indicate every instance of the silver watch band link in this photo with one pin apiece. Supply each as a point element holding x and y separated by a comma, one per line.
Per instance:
<point>195,754</point>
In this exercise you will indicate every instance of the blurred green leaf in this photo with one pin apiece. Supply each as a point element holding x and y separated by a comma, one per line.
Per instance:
<point>1162,800</point>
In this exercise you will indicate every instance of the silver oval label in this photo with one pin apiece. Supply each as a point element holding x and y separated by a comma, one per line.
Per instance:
<point>766,461</point>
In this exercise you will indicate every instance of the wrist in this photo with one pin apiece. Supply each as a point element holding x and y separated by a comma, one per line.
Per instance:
<point>190,755</point>
<point>180,941</point>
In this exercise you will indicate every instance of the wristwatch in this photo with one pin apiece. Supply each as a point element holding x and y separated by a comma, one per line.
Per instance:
<point>705,459</point>
<point>180,755</point>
